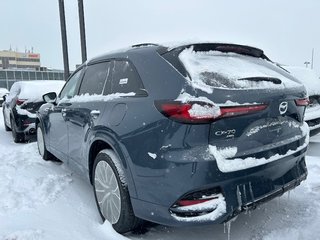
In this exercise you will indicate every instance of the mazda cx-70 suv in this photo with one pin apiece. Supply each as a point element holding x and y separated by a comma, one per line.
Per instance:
<point>179,135</point>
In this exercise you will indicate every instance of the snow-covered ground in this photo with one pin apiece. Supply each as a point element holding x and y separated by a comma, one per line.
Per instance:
<point>45,200</point>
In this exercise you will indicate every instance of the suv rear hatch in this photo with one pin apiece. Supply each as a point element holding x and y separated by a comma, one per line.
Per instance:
<point>261,105</point>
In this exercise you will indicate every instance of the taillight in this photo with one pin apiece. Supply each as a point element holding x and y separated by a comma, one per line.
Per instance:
<point>241,110</point>
<point>191,112</point>
<point>202,112</point>
<point>20,101</point>
<point>302,102</point>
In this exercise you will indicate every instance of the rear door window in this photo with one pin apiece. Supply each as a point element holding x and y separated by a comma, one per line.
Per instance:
<point>125,79</point>
<point>94,79</point>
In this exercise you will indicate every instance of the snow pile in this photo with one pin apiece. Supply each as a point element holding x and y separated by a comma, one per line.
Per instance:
<point>95,97</point>
<point>230,165</point>
<point>25,235</point>
<point>218,204</point>
<point>44,200</point>
<point>214,69</point>
<point>152,155</point>
<point>308,77</point>
<point>40,190</point>
<point>106,230</point>
<point>207,109</point>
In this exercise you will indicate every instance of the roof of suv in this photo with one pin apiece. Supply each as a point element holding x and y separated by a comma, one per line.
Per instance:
<point>160,49</point>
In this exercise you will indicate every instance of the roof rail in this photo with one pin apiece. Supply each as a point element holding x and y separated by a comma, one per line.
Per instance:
<point>145,45</point>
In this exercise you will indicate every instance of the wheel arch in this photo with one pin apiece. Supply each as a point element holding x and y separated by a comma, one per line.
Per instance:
<point>101,142</point>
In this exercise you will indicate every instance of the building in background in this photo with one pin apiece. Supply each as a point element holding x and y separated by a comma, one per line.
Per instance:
<point>9,76</point>
<point>17,66</point>
<point>17,60</point>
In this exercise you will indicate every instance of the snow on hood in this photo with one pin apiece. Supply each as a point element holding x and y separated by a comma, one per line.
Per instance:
<point>308,77</point>
<point>215,69</point>
<point>34,90</point>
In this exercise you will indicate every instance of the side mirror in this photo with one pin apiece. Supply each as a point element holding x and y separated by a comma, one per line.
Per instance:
<point>50,97</point>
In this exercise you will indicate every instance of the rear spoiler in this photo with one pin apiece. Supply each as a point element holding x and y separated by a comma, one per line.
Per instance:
<point>221,47</point>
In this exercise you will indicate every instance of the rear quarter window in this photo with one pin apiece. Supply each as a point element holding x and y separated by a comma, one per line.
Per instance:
<point>125,78</point>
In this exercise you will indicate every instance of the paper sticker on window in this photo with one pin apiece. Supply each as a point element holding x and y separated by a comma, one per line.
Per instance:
<point>123,81</point>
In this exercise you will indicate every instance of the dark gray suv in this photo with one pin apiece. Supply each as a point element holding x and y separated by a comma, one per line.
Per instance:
<point>183,135</point>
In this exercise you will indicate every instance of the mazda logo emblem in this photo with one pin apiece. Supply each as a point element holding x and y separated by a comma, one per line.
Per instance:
<point>283,107</point>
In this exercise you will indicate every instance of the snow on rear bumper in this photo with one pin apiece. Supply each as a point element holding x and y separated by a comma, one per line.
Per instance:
<point>207,211</point>
<point>226,162</point>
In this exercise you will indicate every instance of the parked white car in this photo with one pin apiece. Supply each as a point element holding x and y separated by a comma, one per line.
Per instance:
<point>312,83</point>
<point>22,103</point>
<point>3,91</point>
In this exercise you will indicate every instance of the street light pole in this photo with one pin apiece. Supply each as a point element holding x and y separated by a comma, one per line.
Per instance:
<point>82,31</point>
<point>64,39</point>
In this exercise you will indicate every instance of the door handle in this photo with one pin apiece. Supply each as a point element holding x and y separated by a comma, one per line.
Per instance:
<point>95,114</point>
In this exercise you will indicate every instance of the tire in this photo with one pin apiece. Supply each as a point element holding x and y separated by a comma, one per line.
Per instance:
<point>6,127</point>
<point>4,121</point>
<point>17,137</point>
<point>5,124</point>
<point>44,153</point>
<point>111,193</point>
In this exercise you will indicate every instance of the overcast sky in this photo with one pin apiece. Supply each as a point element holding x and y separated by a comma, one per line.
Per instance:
<point>286,30</point>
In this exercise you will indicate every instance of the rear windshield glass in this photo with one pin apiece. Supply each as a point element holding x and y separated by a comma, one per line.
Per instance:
<point>215,69</point>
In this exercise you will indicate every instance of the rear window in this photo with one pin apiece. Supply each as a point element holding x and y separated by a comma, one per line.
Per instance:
<point>215,69</point>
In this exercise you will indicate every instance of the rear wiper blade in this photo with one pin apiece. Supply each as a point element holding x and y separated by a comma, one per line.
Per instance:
<point>263,79</point>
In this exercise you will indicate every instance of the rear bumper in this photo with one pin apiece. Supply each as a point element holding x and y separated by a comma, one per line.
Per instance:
<point>25,125</point>
<point>314,126</point>
<point>241,190</point>
<point>312,117</point>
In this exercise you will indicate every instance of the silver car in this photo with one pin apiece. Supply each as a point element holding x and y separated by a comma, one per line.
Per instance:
<point>312,83</point>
